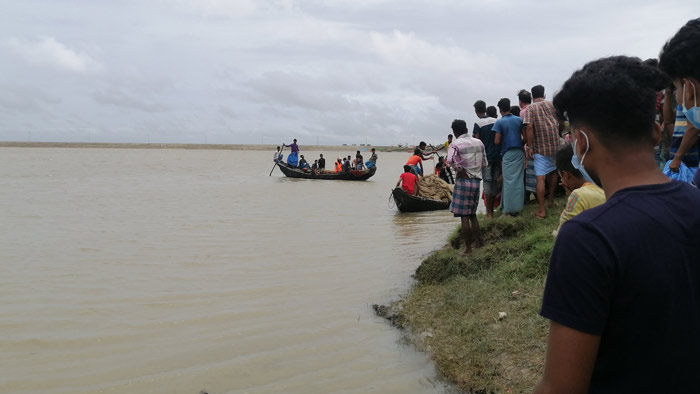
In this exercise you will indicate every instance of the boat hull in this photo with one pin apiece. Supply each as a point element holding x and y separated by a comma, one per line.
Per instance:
<point>408,203</point>
<point>354,175</point>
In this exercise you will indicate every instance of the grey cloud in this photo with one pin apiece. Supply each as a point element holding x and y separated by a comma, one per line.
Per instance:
<point>120,98</point>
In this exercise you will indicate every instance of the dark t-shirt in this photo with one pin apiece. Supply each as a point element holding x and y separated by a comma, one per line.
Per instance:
<point>482,130</point>
<point>321,163</point>
<point>629,271</point>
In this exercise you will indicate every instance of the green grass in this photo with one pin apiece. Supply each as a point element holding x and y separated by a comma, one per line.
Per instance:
<point>453,310</point>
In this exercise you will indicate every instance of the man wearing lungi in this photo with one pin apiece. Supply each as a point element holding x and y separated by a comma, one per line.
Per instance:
<point>468,157</point>
<point>508,131</point>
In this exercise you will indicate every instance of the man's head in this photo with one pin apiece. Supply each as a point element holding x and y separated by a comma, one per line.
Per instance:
<point>459,127</point>
<point>321,155</point>
<point>422,145</point>
<point>406,168</point>
<point>680,59</point>
<point>480,107</point>
<point>537,91</point>
<point>570,176</point>
<point>417,151</point>
<point>491,112</point>
<point>595,97</point>
<point>302,156</point>
<point>295,140</point>
<point>278,148</point>
<point>449,137</point>
<point>504,106</point>
<point>524,97</point>
<point>372,150</point>
<point>515,110</point>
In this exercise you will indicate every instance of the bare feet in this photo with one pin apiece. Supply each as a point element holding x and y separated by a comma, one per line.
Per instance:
<point>540,214</point>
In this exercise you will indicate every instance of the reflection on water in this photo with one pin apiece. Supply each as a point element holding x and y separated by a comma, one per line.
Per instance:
<point>170,271</point>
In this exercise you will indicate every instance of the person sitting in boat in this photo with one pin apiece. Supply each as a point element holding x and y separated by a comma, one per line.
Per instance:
<point>409,181</point>
<point>303,164</point>
<point>314,167</point>
<point>293,158</point>
<point>372,160</point>
<point>416,162</point>
<point>443,171</point>
<point>339,165</point>
<point>278,155</point>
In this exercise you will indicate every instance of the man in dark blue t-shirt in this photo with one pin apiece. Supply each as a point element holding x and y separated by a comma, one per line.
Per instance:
<point>623,288</point>
<point>491,173</point>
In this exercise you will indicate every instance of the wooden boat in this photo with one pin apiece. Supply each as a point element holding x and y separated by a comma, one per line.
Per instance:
<point>354,175</point>
<point>408,203</point>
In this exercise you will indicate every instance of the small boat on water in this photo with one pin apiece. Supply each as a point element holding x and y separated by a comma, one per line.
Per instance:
<point>353,175</point>
<point>409,203</point>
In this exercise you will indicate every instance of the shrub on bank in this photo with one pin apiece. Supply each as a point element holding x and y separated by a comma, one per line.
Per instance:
<point>477,316</point>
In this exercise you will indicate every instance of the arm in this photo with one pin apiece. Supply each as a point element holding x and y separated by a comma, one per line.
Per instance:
<point>689,139</point>
<point>570,359</point>
<point>529,136</point>
<point>399,182</point>
<point>669,112</point>
<point>497,138</point>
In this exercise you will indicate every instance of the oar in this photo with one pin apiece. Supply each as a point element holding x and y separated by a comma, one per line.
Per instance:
<point>275,165</point>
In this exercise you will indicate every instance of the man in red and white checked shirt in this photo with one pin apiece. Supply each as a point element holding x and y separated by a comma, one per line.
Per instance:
<point>468,157</point>
<point>542,135</point>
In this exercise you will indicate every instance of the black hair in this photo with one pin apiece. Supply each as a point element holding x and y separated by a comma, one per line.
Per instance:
<point>449,136</point>
<point>417,151</point>
<point>504,104</point>
<point>563,160</point>
<point>459,127</point>
<point>406,168</point>
<point>525,96</point>
<point>480,106</point>
<point>278,147</point>
<point>598,94</point>
<point>491,112</point>
<point>652,62</point>
<point>422,144</point>
<point>515,110</point>
<point>680,56</point>
<point>537,91</point>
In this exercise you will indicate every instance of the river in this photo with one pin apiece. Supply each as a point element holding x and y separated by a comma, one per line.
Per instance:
<point>175,271</point>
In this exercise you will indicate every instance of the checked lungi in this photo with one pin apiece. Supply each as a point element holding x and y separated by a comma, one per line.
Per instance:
<point>465,197</point>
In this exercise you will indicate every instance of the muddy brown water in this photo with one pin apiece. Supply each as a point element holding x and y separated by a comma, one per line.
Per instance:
<point>172,271</point>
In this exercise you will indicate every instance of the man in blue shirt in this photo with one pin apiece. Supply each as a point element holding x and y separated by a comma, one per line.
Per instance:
<point>507,133</point>
<point>623,287</point>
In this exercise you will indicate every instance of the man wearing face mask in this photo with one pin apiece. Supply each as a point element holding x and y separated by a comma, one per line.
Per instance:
<point>623,297</point>
<point>680,59</point>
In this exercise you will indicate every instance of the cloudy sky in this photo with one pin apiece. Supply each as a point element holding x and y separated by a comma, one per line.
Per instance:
<point>328,71</point>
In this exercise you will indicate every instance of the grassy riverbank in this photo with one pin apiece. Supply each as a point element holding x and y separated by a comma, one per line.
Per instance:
<point>477,316</point>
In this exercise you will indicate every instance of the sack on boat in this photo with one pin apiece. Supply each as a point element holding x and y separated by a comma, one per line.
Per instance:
<point>431,186</point>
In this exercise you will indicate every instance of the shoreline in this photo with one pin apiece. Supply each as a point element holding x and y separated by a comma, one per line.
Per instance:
<point>136,145</point>
<point>478,317</point>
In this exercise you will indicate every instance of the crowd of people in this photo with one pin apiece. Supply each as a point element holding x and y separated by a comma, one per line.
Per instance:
<point>623,288</point>
<point>620,295</point>
<point>344,164</point>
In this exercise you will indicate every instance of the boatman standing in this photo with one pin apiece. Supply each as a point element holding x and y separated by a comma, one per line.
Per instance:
<point>293,158</point>
<point>467,156</point>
